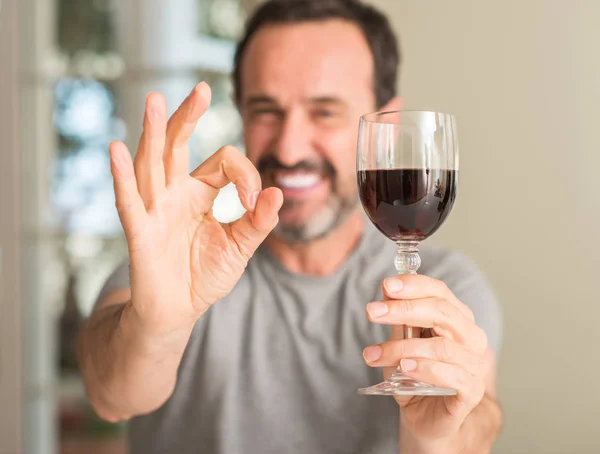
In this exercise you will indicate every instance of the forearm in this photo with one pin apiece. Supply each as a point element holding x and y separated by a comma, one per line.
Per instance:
<point>127,372</point>
<point>476,435</point>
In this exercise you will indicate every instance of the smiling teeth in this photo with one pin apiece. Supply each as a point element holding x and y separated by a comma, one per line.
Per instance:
<point>298,181</point>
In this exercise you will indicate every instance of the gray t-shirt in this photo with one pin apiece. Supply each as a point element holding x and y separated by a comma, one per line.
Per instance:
<point>275,366</point>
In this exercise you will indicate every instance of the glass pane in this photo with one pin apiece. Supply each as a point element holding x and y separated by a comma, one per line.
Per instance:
<point>221,18</point>
<point>85,25</point>
<point>82,192</point>
<point>88,241</point>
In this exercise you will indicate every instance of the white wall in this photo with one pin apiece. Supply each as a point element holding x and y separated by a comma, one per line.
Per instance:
<point>523,78</point>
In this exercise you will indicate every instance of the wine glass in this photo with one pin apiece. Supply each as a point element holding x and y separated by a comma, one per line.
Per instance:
<point>407,172</point>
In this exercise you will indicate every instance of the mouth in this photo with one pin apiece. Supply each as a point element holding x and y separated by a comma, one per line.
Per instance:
<point>297,183</point>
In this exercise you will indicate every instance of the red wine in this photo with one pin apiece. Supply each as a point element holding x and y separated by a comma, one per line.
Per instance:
<point>407,204</point>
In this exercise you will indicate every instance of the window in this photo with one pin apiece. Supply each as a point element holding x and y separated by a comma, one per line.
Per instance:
<point>98,66</point>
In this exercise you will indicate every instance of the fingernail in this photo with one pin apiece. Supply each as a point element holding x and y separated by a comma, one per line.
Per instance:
<point>253,199</point>
<point>408,364</point>
<point>372,354</point>
<point>377,309</point>
<point>393,284</point>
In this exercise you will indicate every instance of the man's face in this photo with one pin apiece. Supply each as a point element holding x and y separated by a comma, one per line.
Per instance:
<point>303,89</point>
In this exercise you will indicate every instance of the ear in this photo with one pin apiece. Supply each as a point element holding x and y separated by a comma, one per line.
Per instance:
<point>393,104</point>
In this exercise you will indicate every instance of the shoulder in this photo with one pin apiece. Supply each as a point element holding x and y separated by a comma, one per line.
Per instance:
<point>469,283</point>
<point>449,264</point>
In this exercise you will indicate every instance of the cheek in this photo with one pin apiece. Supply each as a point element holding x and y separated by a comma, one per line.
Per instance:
<point>341,152</point>
<point>257,140</point>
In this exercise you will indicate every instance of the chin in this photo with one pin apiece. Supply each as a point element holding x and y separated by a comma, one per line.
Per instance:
<point>297,234</point>
<point>296,215</point>
<point>314,228</point>
<point>296,226</point>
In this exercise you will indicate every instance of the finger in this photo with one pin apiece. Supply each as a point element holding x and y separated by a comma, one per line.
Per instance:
<point>469,388</point>
<point>413,286</point>
<point>229,165</point>
<point>438,349</point>
<point>250,230</point>
<point>445,319</point>
<point>180,128</point>
<point>128,200</point>
<point>149,168</point>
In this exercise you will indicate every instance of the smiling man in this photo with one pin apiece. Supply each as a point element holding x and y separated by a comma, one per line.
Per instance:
<point>250,337</point>
<point>300,127</point>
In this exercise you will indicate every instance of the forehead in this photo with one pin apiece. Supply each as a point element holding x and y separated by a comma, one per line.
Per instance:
<point>307,59</point>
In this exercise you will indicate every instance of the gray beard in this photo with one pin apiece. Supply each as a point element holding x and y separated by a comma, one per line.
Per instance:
<point>322,224</point>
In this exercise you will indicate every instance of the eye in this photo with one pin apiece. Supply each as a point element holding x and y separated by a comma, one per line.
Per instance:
<point>327,116</point>
<point>266,112</point>
<point>324,113</point>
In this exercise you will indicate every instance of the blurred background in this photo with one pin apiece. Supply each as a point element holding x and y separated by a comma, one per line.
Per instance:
<point>522,77</point>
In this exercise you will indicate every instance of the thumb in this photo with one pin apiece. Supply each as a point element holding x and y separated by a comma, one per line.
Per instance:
<point>250,230</point>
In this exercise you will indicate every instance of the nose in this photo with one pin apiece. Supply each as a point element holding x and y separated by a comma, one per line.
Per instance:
<point>294,142</point>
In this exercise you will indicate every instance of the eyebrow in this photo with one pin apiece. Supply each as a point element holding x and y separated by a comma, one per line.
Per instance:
<point>327,100</point>
<point>260,99</point>
<point>263,99</point>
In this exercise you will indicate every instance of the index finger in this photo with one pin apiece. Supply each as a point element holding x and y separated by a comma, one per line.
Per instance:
<point>415,286</point>
<point>445,319</point>
<point>180,127</point>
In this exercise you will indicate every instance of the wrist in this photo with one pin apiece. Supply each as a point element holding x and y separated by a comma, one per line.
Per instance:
<point>414,443</point>
<point>153,340</point>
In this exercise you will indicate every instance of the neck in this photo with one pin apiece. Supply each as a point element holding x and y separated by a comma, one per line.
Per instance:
<point>320,257</point>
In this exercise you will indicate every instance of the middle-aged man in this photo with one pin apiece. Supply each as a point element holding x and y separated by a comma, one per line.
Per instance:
<point>249,337</point>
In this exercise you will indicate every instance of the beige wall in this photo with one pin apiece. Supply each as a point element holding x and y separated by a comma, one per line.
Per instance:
<point>11,399</point>
<point>523,78</point>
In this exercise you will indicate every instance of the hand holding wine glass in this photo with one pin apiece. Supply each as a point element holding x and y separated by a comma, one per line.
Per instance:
<point>453,357</point>
<point>407,170</point>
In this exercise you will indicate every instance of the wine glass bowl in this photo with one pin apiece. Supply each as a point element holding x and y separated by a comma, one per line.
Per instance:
<point>407,204</point>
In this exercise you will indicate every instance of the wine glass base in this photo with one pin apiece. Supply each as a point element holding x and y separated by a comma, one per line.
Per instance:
<point>404,386</point>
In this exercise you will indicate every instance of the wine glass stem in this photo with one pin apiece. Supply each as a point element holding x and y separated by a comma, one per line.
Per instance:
<point>407,261</point>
